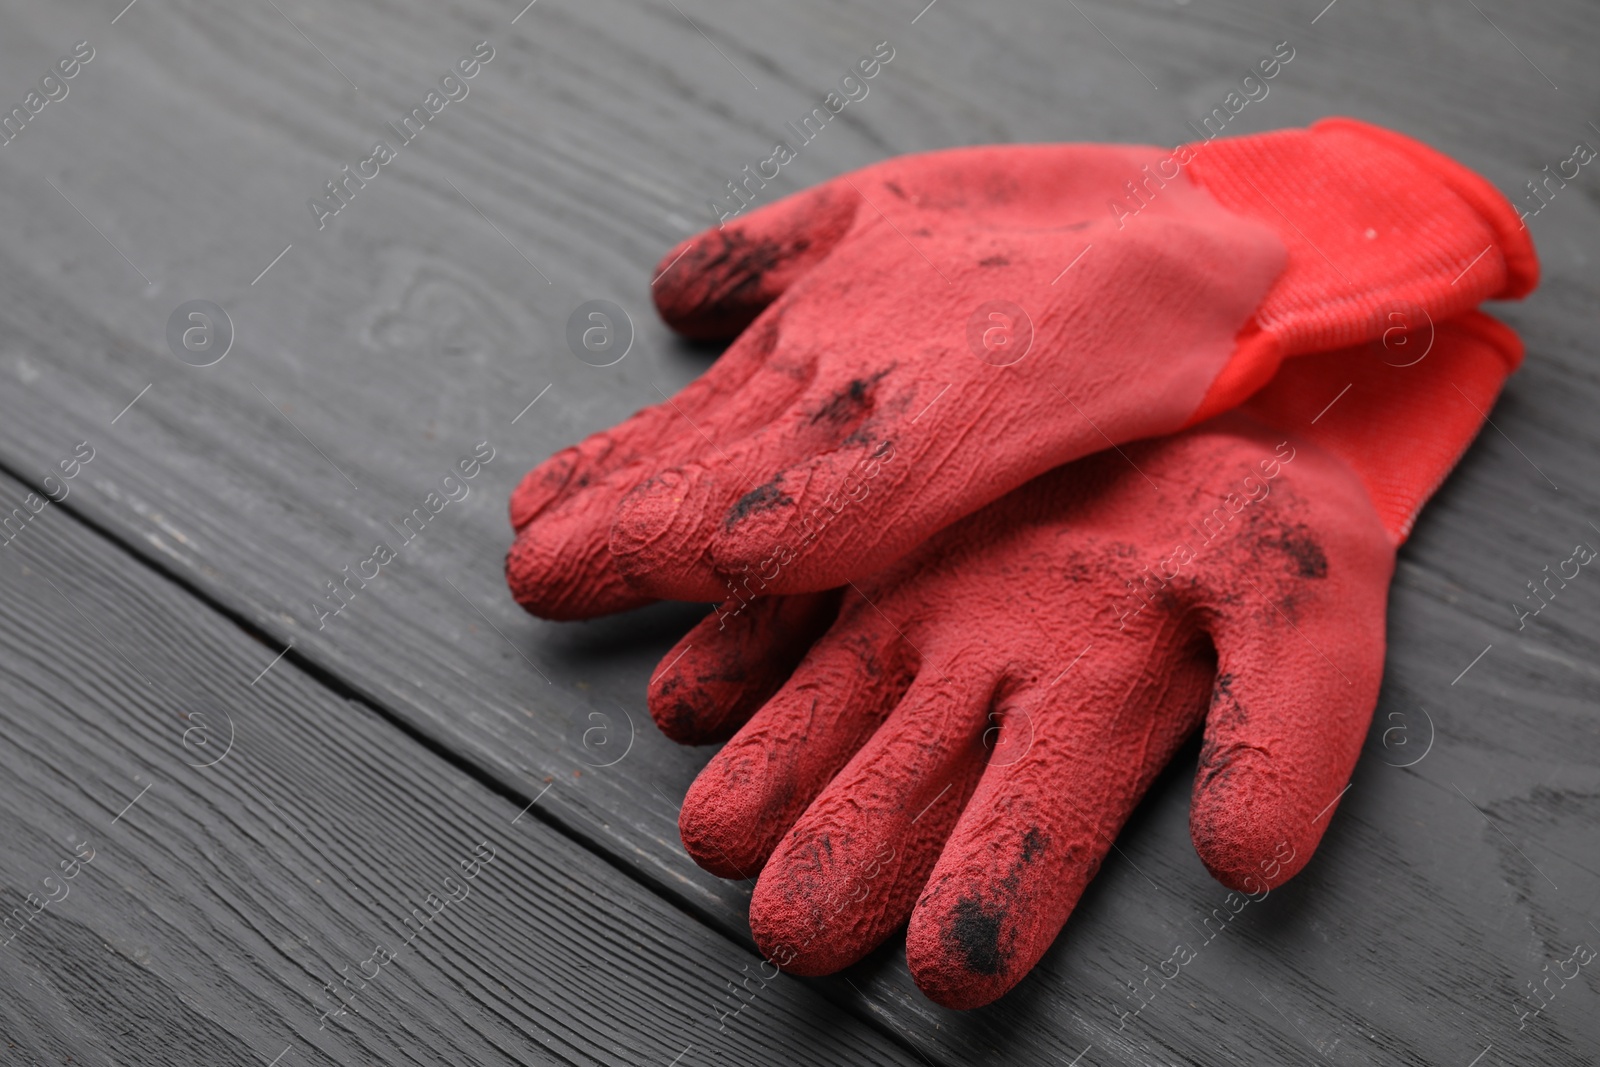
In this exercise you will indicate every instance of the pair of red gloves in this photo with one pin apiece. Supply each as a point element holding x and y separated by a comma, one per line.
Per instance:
<point>1268,350</point>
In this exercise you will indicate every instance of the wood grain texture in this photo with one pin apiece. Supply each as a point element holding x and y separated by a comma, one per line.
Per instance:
<point>413,327</point>
<point>253,836</point>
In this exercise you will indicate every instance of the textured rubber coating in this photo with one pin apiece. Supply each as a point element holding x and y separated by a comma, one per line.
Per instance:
<point>867,403</point>
<point>961,747</point>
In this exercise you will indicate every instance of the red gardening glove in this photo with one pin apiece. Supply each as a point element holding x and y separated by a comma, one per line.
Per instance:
<point>862,409</point>
<point>964,743</point>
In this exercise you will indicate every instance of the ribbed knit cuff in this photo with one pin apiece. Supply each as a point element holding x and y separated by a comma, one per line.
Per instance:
<point>1401,416</point>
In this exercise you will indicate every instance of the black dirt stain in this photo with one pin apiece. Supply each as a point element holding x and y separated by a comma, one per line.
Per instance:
<point>844,402</point>
<point>1034,843</point>
<point>894,187</point>
<point>744,261</point>
<point>680,714</point>
<point>1226,710</point>
<point>1303,551</point>
<point>761,498</point>
<point>976,933</point>
<point>720,285</point>
<point>994,261</point>
<point>849,401</point>
<point>1216,763</point>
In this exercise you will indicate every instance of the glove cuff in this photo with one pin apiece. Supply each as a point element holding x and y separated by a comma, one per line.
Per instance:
<point>1400,415</point>
<point>1374,223</point>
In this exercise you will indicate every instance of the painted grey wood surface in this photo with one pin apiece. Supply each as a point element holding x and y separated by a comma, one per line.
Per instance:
<point>431,310</point>
<point>248,840</point>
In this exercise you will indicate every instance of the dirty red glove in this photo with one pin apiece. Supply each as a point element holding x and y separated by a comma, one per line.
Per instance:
<point>965,741</point>
<point>863,409</point>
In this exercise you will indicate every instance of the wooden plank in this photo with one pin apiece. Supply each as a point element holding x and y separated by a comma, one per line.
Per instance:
<point>413,327</point>
<point>248,841</point>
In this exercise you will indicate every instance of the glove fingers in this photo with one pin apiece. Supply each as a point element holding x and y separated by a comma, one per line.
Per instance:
<point>559,566</point>
<point>747,797</point>
<point>665,433</point>
<point>814,512</point>
<point>850,871</point>
<point>1300,662</point>
<point>733,662</point>
<point>715,284</point>
<point>846,511</point>
<point>1061,782</point>
<point>664,533</point>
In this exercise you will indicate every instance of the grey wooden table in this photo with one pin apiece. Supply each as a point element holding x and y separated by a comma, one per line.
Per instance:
<point>468,808</point>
